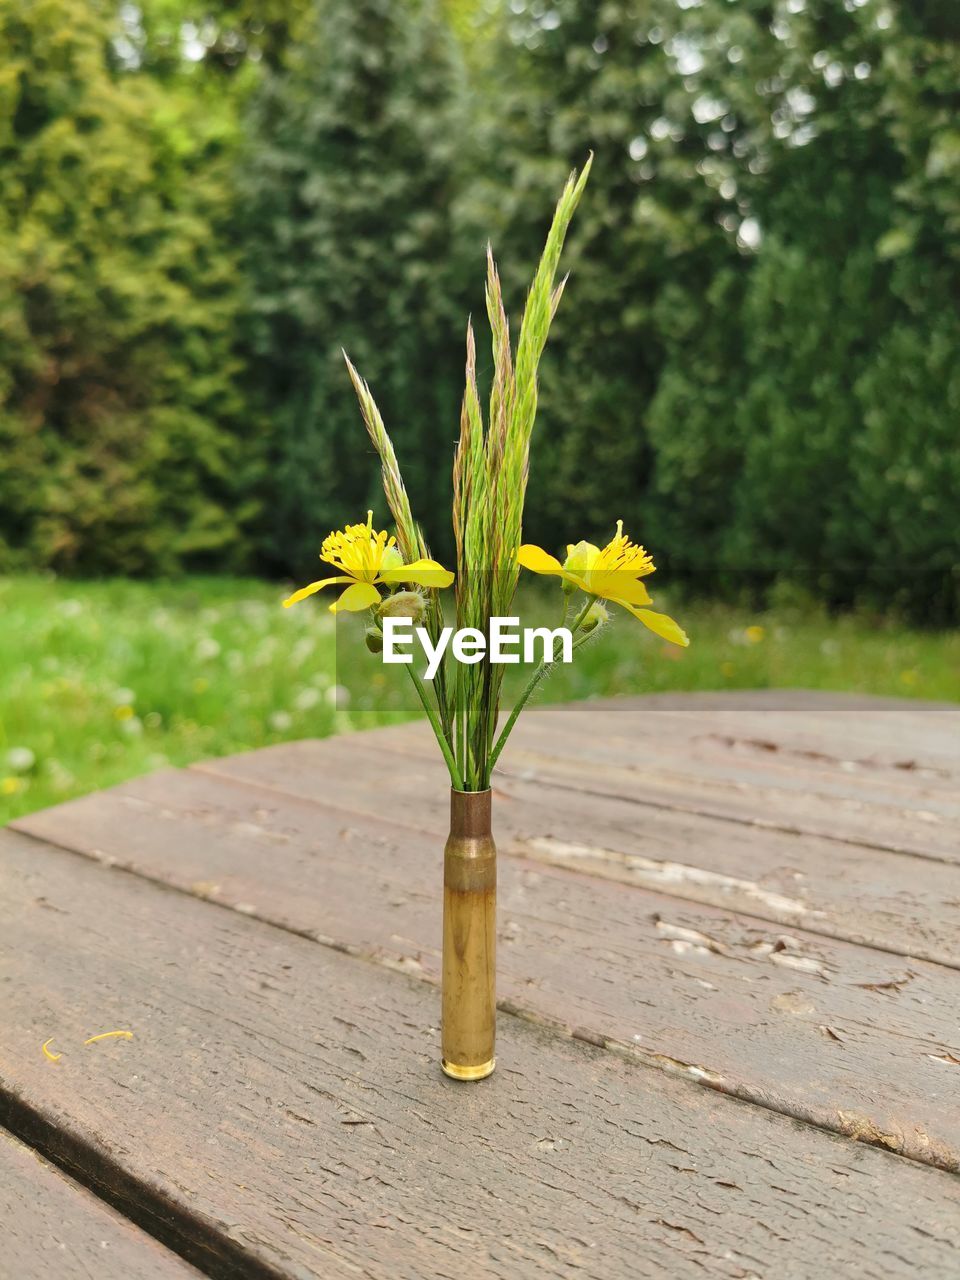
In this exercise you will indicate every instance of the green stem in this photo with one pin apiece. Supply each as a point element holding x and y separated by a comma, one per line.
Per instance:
<point>435,626</point>
<point>534,680</point>
<point>433,717</point>
<point>521,702</point>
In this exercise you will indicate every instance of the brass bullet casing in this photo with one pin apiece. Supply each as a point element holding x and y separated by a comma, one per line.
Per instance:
<point>469,1001</point>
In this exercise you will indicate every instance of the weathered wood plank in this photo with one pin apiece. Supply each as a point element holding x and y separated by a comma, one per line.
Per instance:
<point>53,1227</point>
<point>843,890</point>
<point>591,758</point>
<point>884,733</point>
<point>857,1041</point>
<point>700,745</point>
<point>280,1107</point>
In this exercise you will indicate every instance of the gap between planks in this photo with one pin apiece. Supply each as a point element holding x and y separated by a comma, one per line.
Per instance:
<point>916,1140</point>
<point>353,1155</point>
<point>719,889</point>
<point>54,1225</point>
<point>561,774</point>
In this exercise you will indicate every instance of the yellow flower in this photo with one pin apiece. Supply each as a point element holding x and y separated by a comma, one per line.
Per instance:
<point>611,573</point>
<point>755,634</point>
<point>10,786</point>
<point>366,558</point>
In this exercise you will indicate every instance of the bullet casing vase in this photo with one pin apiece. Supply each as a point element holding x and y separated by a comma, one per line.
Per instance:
<point>469,1003</point>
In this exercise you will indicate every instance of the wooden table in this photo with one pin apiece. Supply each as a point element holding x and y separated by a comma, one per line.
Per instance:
<point>729,1045</point>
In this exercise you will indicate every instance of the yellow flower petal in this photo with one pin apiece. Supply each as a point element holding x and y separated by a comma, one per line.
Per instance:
<point>359,595</point>
<point>618,585</point>
<point>537,560</point>
<point>581,558</point>
<point>311,590</point>
<point>425,573</point>
<point>659,624</point>
<point>51,1057</point>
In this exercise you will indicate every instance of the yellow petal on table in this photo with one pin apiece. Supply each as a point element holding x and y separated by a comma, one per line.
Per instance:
<point>425,573</point>
<point>51,1057</point>
<point>312,589</point>
<point>110,1035</point>
<point>358,596</point>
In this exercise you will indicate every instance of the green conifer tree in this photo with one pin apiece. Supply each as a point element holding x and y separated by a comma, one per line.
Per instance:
<point>118,418</point>
<point>350,183</point>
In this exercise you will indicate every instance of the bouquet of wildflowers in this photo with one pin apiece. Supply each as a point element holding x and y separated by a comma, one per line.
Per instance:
<point>394,576</point>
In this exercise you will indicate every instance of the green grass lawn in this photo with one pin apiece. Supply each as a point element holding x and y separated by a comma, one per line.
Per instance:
<point>100,681</point>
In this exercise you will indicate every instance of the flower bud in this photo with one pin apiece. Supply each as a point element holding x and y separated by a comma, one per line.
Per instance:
<point>373,638</point>
<point>597,616</point>
<point>403,604</point>
<point>578,561</point>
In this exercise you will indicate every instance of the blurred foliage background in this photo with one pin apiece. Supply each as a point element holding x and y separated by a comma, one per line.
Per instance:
<point>755,364</point>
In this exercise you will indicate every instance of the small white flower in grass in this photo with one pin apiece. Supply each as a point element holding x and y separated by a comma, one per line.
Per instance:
<point>306,699</point>
<point>280,721</point>
<point>60,777</point>
<point>70,608</point>
<point>132,727</point>
<point>337,696</point>
<point>303,649</point>
<point>123,697</point>
<point>206,649</point>
<point>266,652</point>
<point>20,759</point>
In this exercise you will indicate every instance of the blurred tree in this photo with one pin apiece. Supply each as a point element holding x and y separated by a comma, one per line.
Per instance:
<point>754,364</point>
<point>118,422</point>
<point>575,77</point>
<point>845,153</point>
<point>472,23</point>
<point>774,202</point>
<point>222,36</point>
<point>348,186</point>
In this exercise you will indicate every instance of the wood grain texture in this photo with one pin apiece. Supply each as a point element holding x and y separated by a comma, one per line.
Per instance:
<point>581,750</point>
<point>903,734</point>
<point>279,1110</point>
<point>813,800</point>
<point>857,1041</point>
<point>843,890</point>
<point>53,1227</point>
